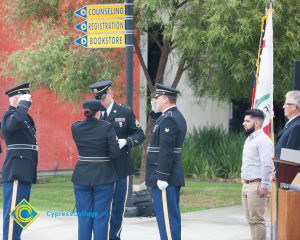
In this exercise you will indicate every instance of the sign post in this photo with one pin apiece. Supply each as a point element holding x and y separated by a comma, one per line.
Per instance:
<point>130,210</point>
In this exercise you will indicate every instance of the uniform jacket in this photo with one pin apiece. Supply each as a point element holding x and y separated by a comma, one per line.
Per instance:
<point>289,137</point>
<point>126,127</point>
<point>95,138</point>
<point>164,151</point>
<point>18,128</point>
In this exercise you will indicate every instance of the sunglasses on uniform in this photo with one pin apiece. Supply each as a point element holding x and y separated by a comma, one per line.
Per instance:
<point>101,97</point>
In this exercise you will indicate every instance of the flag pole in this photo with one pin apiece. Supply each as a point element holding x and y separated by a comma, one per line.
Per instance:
<point>262,95</point>
<point>274,190</point>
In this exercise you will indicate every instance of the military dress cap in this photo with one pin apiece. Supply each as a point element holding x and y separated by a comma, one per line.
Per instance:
<point>19,89</point>
<point>92,104</point>
<point>100,89</point>
<point>164,90</point>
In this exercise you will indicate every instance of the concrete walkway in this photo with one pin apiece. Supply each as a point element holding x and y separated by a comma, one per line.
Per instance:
<point>215,224</point>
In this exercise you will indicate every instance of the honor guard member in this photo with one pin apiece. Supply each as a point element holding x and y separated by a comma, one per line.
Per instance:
<point>130,135</point>
<point>94,175</point>
<point>163,168</point>
<point>20,166</point>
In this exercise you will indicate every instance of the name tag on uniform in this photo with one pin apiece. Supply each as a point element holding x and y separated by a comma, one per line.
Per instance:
<point>120,121</point>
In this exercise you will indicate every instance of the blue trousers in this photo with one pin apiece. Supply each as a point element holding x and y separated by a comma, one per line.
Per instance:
<point>22,190</point>
<point>93,204</point>
<point>167,211</point>
<point>118,208</point>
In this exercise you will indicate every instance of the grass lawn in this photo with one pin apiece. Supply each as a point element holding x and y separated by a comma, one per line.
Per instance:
<point>197,195</point>
<point>57,194</point>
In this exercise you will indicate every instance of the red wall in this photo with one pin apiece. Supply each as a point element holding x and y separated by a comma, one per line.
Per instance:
<point>53,119</point>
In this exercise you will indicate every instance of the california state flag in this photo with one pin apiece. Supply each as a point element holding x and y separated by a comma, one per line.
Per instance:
<point>262,97</point>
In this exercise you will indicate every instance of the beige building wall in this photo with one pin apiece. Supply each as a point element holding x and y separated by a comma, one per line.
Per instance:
<point>198,112</point>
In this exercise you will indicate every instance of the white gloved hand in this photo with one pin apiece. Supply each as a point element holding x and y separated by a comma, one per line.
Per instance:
<point>25,97</point>
<point>122,143</point>
<point>153,105</point>
<point>162,184</point>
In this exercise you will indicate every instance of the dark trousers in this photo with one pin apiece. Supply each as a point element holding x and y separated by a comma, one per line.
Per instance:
<point>93,204</point>
<point>13,193</point>
<point>166,206</point>
<point>118,208</point>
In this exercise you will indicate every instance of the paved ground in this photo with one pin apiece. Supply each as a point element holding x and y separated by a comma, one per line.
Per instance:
<point>215,224</point>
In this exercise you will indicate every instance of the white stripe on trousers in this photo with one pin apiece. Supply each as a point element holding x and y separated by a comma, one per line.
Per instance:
<point>12,206</point>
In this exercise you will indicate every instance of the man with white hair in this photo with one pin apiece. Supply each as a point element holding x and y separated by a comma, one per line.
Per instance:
<point>19,169</point>
<point>289,137</point>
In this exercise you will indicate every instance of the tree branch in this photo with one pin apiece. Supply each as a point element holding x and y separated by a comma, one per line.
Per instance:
<point>178,75</point>
<point>163,61</point>
<point>187,67</point>
<point>143,64</point>
<point>181,4</point>
<point>154,38</point>
<point>173,46</point>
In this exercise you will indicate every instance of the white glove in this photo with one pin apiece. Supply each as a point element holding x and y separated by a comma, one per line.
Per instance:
<point>25,97</point>
<point>153,105</point>
<point>122,143</point>
<point>162,184</point>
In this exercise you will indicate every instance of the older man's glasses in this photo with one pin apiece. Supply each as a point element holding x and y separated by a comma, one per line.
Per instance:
<point>289,104</point>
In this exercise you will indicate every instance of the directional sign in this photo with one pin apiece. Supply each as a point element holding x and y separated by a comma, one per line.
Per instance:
<point>116,40</point>
<point>102,11</point>
<point>102,26</point>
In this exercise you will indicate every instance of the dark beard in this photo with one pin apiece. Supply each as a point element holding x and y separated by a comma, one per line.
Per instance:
<point>249,131</point>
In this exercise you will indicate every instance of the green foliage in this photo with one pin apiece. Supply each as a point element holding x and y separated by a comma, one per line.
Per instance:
<point>50,58</point>
<point>137,156</point>
<point>208,153</point>
<point>153,13</point>
<point>57,194</point>
<point>53,63</point>
<point>196,196</point>
<point>218,41</point>
<point>46,10</point>
<point>212,153</point>
<point>224,40</point>
<point>27,9</point>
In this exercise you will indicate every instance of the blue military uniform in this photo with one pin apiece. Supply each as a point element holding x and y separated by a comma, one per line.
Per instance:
<point>288,137</point>
<point>126,127</point>
<point>164,163</point>
<point>94,176</point>
<point>19,170</point>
